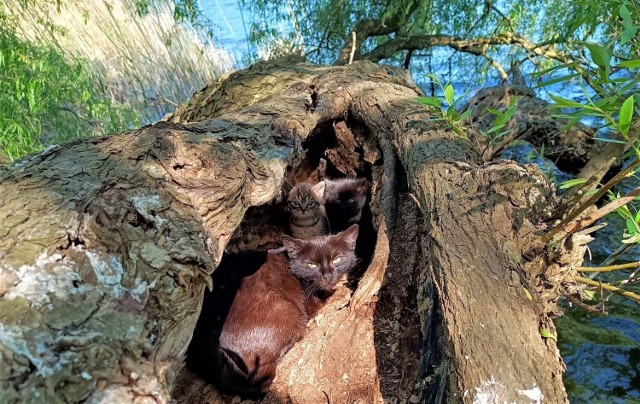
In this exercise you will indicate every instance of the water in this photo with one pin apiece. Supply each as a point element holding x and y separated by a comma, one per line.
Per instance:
<point>602,354</point>
<point>231,24</point>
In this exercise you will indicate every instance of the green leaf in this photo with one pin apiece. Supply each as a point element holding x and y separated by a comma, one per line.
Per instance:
<point>626,16</point>
<point>434,78</point>
<point>448,94</point>
<point>464,115</point>
<point>557,80</point>
<point>547,334</point>
<point>627,34</point>
<point>630,63</point>
<point>604,102</point>
<point>553,68</point>
<point>564,103</point>
<point>433,101</point>
<point>624,210</point>
<point>601,56</point>
<point>572,183</point>
<point>605,140</point>
<point>631,226</point>
<point>626,113</point>
<point>589,294</point>
<point>494,128</point>
<point>504,118</point>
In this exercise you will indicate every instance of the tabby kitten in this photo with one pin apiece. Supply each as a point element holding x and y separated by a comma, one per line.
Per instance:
<point>271,309</point>
<point>308,218</point>
<point>343,201</point>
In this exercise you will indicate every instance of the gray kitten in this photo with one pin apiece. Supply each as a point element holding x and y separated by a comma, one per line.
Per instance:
<point>308,217</point>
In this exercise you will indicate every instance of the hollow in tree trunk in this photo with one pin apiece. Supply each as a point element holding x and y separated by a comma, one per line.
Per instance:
<point>107,246</point>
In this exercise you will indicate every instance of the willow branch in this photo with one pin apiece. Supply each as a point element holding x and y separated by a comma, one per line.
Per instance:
<point>353,47</point>
<point>630,295</point>
<point>579,303</point>
<point>476,46</point>
<point>594,198</point>
<point>610,268</point>
<point>603,211</point>
<point>497,66</point>
<point>363,30</point>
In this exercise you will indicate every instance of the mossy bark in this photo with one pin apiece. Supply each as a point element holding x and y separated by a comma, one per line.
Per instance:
<point>107,245</point>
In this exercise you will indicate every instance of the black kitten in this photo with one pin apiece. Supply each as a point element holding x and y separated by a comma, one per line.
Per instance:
<point>343,201</point>
<point>271,309</point>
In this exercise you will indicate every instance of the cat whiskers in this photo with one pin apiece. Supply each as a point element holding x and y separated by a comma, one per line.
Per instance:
<point>311,289</point>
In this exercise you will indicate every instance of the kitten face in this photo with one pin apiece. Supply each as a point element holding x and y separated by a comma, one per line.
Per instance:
<point>305,202</point>
<point>323,260</point>
<point>345,198</point>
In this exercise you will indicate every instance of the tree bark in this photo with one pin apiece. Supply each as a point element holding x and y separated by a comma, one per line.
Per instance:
<point>107,245</point>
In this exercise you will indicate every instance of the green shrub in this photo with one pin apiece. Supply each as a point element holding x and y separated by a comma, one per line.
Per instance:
<point>46,99</point>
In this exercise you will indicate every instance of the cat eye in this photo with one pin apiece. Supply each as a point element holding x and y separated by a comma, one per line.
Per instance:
<point>336,260</point>
<point>312,265</point>
<point>311,204</point>
<point>296,204</point>
<point>351,200</point>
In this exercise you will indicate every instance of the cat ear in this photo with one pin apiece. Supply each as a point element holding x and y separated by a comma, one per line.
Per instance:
<point>362,185</point>
<point>318,190</point>
<point>286,187</point>
<point>350,236</point>
<point>292,245</point>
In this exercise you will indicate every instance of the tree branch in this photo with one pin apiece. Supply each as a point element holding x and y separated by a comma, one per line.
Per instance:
<point>497,66</point>
<point>475,46</point>
<point>630,295</point>
<point>570,228</point>
<point>363,30</point>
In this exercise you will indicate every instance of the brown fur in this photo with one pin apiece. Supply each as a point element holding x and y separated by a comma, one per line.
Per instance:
<point>271,308</point>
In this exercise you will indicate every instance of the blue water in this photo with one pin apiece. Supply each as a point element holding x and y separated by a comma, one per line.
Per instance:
<point>602,354</point>
<point>231,23</point>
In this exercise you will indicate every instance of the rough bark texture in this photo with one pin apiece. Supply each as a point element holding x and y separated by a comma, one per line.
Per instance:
<point>106,246</point>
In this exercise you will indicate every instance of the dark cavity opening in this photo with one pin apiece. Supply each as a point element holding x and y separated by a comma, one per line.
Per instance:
<point>332,142</point>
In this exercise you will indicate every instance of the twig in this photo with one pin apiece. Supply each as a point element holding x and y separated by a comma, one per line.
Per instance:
<point>407,59</point>
<point>353,46</point>
<point>413,197</point>
<point>610,268</point>
<point>497,66</point>
<point>592,229</point>
<point>630,295</point>
<point>572,198</point>
<point>622,174</point>
<point>582,305</point>
<point>614,255</point>
<point>603,211</point>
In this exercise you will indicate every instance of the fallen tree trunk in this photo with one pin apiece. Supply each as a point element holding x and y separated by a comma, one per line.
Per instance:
<point>107,246</point>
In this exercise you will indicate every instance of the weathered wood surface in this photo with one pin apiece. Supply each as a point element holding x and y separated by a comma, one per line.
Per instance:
<point>106,246</point>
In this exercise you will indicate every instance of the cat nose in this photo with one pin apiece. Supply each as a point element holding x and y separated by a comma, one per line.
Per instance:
<point>329,275</point>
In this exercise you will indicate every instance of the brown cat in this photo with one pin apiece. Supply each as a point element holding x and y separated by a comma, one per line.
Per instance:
<point>271,309</point>
<point>343,201</point>
<point>308,218</point>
